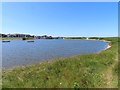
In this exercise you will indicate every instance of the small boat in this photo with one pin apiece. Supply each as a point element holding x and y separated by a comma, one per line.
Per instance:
<point>5,41</point>
<point>30,41</point>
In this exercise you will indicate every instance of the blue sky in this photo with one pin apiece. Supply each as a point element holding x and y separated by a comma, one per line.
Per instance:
<point>61,18</point>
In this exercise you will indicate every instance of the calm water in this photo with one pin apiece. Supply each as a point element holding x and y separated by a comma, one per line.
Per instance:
<point>18,52</point>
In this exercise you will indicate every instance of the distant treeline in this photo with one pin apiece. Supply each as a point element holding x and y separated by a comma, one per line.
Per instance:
<point>95,38</point>
<point>27,36</point>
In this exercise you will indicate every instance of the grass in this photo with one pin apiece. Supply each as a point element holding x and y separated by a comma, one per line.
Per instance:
<point>15,38</point>
<point>81,71</point>
<point>10,38</point>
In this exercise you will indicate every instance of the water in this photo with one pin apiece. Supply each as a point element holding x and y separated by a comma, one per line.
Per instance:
<point>18,52</point>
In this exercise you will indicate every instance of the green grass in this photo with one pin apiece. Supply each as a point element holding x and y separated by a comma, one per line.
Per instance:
<point>81,71</point>
<point>10,38</point>
<point>15,38</point>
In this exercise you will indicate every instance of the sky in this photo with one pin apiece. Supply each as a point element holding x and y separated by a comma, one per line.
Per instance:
<point>61,18</point>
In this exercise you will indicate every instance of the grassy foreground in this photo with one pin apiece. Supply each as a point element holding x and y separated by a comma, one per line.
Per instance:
<point>82,71</point>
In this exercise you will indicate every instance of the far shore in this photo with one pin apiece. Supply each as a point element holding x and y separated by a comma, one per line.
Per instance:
<point>16,38</point>
<point>109,46</point>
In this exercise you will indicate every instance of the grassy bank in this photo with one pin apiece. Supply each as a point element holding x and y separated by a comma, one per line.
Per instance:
<point>15,38</point>
<point>10,38</point>
<point>81,71</point>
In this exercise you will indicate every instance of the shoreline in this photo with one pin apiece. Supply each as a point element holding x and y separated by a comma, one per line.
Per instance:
<point>109,46</point>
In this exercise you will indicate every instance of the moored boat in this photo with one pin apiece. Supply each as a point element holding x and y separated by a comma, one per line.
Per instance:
<point>30,41</point>
<point>5,41</point>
